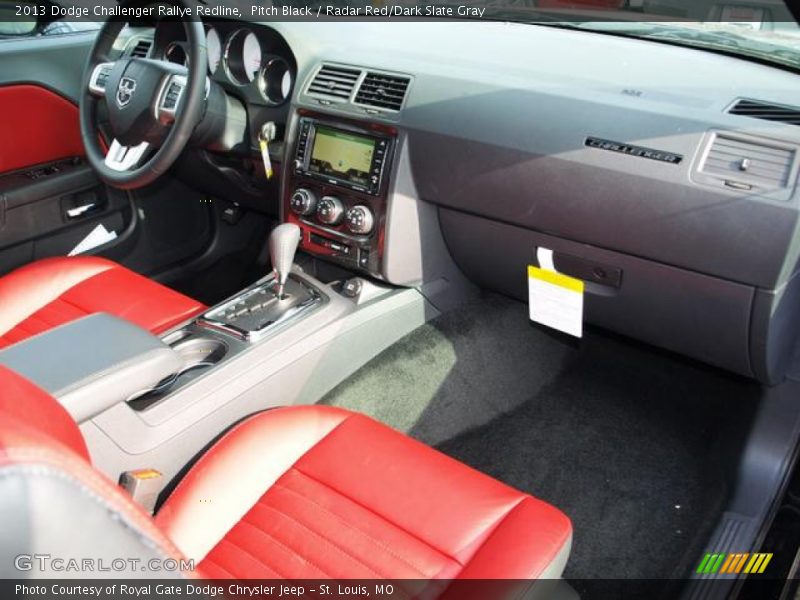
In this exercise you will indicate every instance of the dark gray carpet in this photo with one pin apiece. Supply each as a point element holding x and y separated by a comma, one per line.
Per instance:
<point>636,446</point>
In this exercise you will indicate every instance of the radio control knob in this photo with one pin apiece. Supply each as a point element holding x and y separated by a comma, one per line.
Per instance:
<point>330,210</point>
<point>303,202</point>
<point>360,220</point>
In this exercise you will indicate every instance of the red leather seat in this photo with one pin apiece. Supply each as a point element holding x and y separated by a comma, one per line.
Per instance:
<point>305,493</point>
<point>53,291</point>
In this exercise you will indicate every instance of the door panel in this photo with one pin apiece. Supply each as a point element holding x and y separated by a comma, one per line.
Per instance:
<point>50,198</point>
<point>43,127</point>
<point>54,62</point>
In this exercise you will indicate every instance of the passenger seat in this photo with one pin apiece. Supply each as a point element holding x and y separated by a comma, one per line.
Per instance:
<point>306,492</point>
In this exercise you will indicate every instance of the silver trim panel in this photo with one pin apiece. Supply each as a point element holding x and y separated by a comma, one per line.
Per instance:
<point>125,158</point>
<point>95,88</point>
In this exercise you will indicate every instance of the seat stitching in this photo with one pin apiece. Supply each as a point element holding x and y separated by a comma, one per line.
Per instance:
<point>221,568</point>
<point>257,559</point>
<point>37,317</point>
<point>490,531</point>
<point>21,326</point>
<point>326,539</point>
<point>72,304</point>
<point>359,531</point>
<point>367,508</point>
<point>270,568</point>
<point>285,546</point>
<point>230,434</point>
<point>66,290</point>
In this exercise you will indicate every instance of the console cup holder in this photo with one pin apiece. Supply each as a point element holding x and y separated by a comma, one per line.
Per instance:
<point>197,352</point>
<point>200,351</point>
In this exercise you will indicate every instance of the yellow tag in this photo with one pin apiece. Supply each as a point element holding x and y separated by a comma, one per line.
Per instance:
<point>556,300</point>
<point>265,158</point>
<point>559,279</point>
<point>145,474</point>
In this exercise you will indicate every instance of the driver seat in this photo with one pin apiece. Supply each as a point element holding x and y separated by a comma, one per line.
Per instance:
<point>53,291</point>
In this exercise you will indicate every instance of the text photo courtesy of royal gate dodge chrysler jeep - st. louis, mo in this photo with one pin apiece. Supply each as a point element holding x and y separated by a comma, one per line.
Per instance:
<point>399,299</point>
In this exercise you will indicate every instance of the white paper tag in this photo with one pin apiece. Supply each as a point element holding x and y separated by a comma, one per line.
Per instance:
<point>98,236</point>
<point>555,299</point>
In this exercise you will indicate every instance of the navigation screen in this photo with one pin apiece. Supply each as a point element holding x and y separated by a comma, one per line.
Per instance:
<point>342,155</point>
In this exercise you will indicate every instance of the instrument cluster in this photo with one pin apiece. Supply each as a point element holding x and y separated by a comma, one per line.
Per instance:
<point>254,60</point>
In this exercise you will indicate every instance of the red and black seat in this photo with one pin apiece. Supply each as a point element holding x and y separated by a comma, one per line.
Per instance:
<point>305,492</point>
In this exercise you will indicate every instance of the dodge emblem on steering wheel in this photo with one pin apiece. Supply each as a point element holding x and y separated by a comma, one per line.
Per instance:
<point>127,87</point>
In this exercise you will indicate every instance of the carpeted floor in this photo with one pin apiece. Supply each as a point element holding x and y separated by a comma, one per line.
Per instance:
<point>637,446</point>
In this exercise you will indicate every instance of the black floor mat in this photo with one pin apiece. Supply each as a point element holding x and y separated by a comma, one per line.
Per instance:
<point>636,446</point>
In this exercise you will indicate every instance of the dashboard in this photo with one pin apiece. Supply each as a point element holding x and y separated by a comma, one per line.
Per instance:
<point>645,167</point>
<point>251,62</point>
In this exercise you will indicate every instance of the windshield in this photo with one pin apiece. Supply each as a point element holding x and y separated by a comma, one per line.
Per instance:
<point>757,29</point>
<point>764,30</point>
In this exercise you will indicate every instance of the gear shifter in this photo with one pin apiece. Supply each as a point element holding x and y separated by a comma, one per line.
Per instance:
<point>283,242</point>
<point>272,300</point>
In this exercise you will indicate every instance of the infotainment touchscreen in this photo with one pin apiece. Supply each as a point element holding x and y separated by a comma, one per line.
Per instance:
<point>342,155</point>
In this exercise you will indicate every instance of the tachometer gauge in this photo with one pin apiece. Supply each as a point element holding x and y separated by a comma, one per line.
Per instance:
<point>214,49</point>
<point>275,80</point>
<point>242,59</point>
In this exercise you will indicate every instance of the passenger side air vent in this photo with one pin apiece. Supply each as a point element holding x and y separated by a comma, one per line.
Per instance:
<point>767,112</point>
<point>745,163</point>
<point>380,90</point>
<point>333,83</point>
<point>142,48</point>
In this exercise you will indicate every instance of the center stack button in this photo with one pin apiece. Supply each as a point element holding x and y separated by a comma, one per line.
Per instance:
<point>330,210</point>
<point>303,202</point>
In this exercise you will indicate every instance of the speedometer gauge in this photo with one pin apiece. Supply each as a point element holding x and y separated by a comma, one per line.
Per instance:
<point>242,60</point>
<point>214,49</point>
<point>251,56</point>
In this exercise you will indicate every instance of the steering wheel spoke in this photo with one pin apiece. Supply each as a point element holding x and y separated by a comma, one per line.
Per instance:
<point>99,79</point>
<point>142,100</point>
<point>125,158</point>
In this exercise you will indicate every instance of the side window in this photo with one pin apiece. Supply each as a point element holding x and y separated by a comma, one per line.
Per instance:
<point>18,20</point>
<point>66,27</point>
<point>30,18</point>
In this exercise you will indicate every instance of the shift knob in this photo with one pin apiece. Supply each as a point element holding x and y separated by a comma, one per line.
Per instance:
<point>283,243</point>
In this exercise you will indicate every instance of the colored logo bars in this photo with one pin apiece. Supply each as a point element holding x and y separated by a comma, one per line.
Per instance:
<point>734,563</point>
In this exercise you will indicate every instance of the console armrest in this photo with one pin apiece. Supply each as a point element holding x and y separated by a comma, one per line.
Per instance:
<point>92,363</point>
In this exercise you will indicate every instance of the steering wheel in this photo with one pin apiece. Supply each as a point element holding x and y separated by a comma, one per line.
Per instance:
<point>150,103</point>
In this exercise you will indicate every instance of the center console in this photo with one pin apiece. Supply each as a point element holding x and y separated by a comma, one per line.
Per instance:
<point>348,198</point>
<point>336,189</point>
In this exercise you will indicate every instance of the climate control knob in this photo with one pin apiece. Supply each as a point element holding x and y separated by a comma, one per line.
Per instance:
<point>303,202</point>
<point>330,210</point>
<point>360,220</point>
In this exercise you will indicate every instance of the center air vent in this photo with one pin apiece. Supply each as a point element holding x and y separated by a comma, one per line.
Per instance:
<point>744,163</point>
<point>142,48</point>
<point>380,90</point>
<point>334,83</point>
<point>767,112</point>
